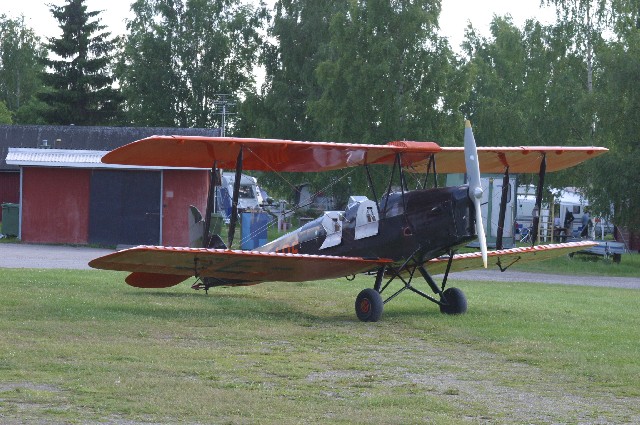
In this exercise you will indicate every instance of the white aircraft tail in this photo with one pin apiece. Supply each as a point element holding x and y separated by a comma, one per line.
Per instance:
<point>196,227</point>
<point>197,232</point>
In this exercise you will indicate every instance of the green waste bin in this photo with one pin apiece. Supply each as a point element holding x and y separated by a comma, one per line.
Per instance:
<point>216,223</point>
<point>10,215</point>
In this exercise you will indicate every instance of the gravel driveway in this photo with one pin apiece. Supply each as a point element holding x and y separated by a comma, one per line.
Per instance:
<point>518,276</point>
<point>68,257</point>
<point>22,256</point>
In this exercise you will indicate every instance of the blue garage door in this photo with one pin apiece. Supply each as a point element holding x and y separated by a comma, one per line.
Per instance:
<point>125,207</point>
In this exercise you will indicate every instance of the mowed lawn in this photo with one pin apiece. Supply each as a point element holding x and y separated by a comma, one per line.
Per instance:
<point>83,347</point>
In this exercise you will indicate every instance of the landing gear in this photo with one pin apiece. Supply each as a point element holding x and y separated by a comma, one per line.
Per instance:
<point>453,301</point>
<point>369,305</point>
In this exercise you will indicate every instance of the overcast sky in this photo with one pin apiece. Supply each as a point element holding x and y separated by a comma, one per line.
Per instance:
<point>453,20</point>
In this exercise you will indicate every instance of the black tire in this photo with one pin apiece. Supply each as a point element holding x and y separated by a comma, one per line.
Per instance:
<point>369,305</point>
<point>453,302</point>
<point>617,258</point>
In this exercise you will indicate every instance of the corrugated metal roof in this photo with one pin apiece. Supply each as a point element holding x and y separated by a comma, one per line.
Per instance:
<point>66,158</point>
<point>81,137</point>
<point>55,157</point>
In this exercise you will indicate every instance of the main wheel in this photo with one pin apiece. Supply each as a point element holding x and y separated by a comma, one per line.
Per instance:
<point>453,301</point>
<point>369,305</point>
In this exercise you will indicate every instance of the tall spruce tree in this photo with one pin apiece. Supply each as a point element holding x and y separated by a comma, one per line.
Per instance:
<point>79,79</point>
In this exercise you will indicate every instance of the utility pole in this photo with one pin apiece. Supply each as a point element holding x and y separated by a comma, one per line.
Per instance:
<point>222,108</point>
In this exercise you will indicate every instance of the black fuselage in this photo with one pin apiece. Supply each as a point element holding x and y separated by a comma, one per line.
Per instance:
<point>421,223</point>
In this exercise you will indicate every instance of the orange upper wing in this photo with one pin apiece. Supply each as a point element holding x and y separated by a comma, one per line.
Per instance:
<point>170,266</point>
<point>288,155</point>
<point>506,257</point>
<point>521,159</point>
<point>263,154</point>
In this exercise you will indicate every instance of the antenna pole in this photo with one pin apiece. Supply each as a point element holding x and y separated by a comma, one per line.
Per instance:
<point>222,108</point>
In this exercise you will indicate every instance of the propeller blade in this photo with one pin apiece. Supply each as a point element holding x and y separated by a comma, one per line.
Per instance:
<point>475,186</point>
<point>480,231</point>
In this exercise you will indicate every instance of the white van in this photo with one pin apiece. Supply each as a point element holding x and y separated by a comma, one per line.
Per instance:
<point>249,197</point>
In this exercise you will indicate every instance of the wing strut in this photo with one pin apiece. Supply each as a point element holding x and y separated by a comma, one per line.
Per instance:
<point>383,211</point>
<point>503,209</point>
<point>234,203</point>
<point>539,190</point>
<point>432,164</point>
<point>211,204</point>
<point>403,184</point>
<point>372,186</point>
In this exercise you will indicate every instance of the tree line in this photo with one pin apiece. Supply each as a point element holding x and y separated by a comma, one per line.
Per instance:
<point>367,71</point>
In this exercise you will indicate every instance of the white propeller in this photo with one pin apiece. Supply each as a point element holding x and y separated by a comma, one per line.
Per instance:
<point>475,187</point>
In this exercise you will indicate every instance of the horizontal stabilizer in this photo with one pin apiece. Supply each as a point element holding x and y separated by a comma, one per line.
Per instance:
<point>154,280</point>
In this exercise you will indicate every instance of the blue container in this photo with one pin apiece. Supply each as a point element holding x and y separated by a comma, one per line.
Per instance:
<point>254,230</point>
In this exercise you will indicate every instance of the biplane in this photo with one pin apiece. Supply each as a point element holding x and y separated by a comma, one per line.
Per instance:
<point>397,236</point>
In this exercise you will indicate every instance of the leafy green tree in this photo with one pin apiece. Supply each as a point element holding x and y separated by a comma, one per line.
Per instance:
<point>81,85</point>
<point>5,114</point>
<point>530,89</point>
<point>611,74</point>
<point>148,69</point>
<point>367,72</point>
<point>180,55</point>
<point>586,21</point>
<point>20,66</point>
<point>300,29</point>
<point>387,74</point>
<point>300,33</point>
<point>615,174</point>
<point>498,66</point>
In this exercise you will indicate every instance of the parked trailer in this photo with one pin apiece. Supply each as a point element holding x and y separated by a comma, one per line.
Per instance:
<point>606,249</point>
<point>566,200</point>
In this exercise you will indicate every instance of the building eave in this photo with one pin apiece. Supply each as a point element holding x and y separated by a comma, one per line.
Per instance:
<point>70,158</point>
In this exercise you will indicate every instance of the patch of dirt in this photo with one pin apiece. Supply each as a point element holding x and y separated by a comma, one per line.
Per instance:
<point>510,392</point>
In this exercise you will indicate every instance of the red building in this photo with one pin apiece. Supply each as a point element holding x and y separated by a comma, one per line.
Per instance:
<point>9,187</point>
<point>66,195</point>
<point>69,196</point>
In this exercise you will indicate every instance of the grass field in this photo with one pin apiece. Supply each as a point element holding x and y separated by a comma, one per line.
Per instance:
<point>83,347</point>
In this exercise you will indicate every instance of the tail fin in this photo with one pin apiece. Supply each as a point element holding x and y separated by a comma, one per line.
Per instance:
<point>196,231</point>
<point>196,227</point>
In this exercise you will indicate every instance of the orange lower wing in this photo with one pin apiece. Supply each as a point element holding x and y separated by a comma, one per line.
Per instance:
<point>506,257</point>
<point>149,262</point>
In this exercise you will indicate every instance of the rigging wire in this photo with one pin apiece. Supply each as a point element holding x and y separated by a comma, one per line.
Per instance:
<point>295,208</point>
